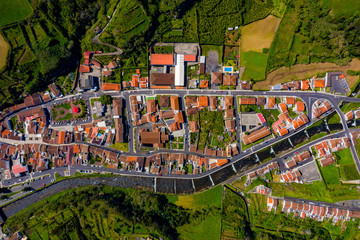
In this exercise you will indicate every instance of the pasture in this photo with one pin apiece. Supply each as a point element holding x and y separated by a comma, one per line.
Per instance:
<point>4,49</point>
<point>259,35</point>
<point>13,10</point>
<point>304,71</point>
<point>339,7</point>
<point>255,65</point>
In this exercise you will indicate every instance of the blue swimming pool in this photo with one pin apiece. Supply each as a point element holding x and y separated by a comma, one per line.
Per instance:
<point>228,69</point>
<point>99,135</point>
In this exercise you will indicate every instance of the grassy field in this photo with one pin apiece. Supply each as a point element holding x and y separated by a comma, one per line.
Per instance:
<point>304,71</point>
<point>4,49</point>
<point>209,227</point>
<point>255,65</point>
<point>339,7</point>
<point>349,107</point>
<point>13,10</point>
<point>330,174</point>
<point>210,197</point>
<point>120,146</point>
<point>259,35</point>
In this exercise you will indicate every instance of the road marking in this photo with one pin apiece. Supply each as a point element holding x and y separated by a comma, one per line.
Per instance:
<point>212,182</point>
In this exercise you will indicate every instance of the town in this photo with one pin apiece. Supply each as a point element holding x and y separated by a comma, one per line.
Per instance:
<point>188,115</point>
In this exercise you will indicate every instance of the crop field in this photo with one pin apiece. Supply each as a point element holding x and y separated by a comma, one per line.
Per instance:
<point>4,49</point>
<point>339,7</point>
<point>13,11</point>
<point>259,35</point>
<point>255,65</point>
<point>129,21</point>
<point>211,197</point>
<point>208,228</point>
<point>304,71</point>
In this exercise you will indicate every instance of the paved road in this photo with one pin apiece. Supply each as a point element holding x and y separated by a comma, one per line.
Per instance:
<point>308,97</point>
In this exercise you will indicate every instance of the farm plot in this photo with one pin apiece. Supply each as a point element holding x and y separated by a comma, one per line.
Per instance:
<point>4,49</point>
<point>13,11</point>
<point>129,22</point>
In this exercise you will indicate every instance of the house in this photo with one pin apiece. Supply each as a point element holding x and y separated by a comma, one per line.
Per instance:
<point>305,85</point>
<point>229,80</point>
<point>299,107</point>
<point>155,139</point>
<point>271,203</point>
<point>110,87</point>
<point>213,102</point>
<point>162,79</point>
<point>290,164</point>
<point>349,116</point>
<point>179,117</point>
<point>247,101</point>
<point>256,135</point>
<point>216,78</point>
<point>194,126</point>
<point>202,101</point>
<point>162,59</point>
<point>135,80</point>
<point>204,83</point>
<point>112,65</point>
<point>19,169</point>
<point>319,83</point>
<point>84,69</point>
<point>230,125</point>
<point>164,101</point>
<point>150,105</point>
<point>271,102</point>
<point>282,107</point>
<point>54,90</point>
<point>261,101</point>
<point>174,101</point>
<point>290,101</point>
<point>245,85</point>
<point>327,160</point>
<point>229,102</point>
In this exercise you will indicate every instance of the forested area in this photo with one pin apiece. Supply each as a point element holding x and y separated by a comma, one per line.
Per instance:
<point>45,45</point>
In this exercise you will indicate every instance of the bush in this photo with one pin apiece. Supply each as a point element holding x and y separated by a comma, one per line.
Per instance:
<point>106,99</point>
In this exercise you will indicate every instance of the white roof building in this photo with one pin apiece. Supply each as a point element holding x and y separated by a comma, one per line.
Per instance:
<point>180,70</point>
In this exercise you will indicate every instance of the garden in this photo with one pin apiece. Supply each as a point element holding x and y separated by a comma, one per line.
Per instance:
<point>211,130</point>
<point>69,111</point>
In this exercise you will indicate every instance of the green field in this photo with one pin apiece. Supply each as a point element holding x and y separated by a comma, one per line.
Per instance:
<point>330,174</point>
<point>209,227</point>
<point>348,170</point>
<point>340,8</point>
<point>13,11</point>
<point>255,65</point>
<point>349,107</point>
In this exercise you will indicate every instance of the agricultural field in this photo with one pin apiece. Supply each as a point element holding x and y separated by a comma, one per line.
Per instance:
<point>255,65</point>
<point>4,49</point>
<point>341,8</point>
<point>259,35</point>
<point>348,170</point>
<point>256,39</point>
<point>301,40</point>
<point>14,10</point>
<point>130,21</point>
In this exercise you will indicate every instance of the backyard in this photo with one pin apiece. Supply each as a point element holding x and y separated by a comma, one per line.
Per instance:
<point>348,170</point>
<point>211,130</point>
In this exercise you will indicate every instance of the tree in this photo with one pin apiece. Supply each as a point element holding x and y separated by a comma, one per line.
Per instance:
<point>106,99</point>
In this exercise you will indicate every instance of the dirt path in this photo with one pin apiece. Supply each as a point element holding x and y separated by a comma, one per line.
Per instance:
<point>97,41</point>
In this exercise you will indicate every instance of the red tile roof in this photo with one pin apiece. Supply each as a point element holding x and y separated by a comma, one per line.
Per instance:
<point>84,69</point>
<point>162,59</point>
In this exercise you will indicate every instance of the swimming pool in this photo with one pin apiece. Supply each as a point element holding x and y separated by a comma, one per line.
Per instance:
<point>228,69</point>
